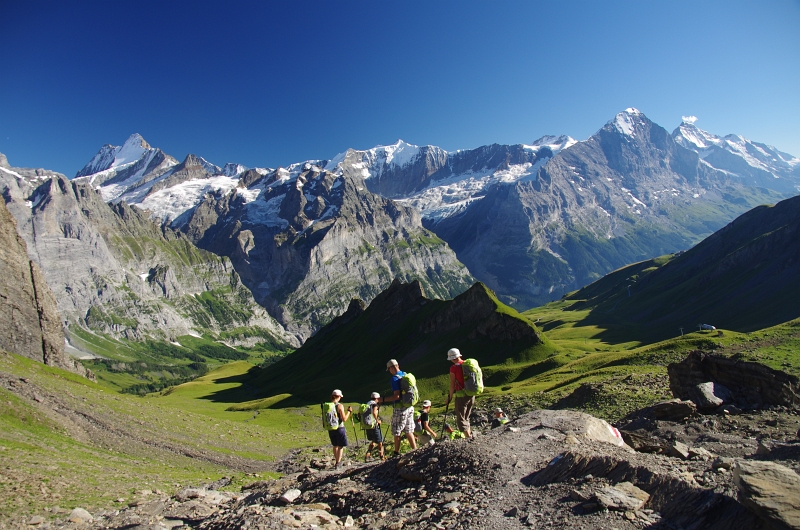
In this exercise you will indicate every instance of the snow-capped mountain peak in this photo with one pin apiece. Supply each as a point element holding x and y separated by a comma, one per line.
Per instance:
<point>625,121</point>
<point>694,138</point>
<point>131,151</point>
<point>111,157</point>
<point>764,165</point>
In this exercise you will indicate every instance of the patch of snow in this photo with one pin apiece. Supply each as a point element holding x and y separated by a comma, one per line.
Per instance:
<point>624,124</point>
<point>169,203</point>
<point>13,173</point>
<point>250,194</point>
<point>554,143</point>
<point>266,213</point>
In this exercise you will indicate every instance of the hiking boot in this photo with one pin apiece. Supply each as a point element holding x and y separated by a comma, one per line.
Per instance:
<point>395,453</point>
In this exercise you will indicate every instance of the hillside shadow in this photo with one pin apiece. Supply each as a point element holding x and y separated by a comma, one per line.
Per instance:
<point>245,391</point>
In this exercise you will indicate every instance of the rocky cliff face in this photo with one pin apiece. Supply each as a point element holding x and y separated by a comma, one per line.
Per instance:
<point>306,241</point>
<point>116,272</point>
<point>30,324</point>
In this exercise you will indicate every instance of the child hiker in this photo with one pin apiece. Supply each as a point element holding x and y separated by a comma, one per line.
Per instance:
<point>372,425</point>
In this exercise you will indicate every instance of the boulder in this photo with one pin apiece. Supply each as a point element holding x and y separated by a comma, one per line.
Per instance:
<point>709,396</point>
<point>189,511</point>
<point>678,450</point>
<point>571,423</point>
<point>674,410</point>
<point>642,441</point>
<point>770,490</point>
<point>623,497</point>
<point>79,515</point>
<point>290,496</point>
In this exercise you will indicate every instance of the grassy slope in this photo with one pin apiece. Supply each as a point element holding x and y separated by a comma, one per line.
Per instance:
<point>743,277</point>
<point>49,459</point>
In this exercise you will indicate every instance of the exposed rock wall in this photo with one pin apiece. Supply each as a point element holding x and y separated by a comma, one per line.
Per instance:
<point>30,324</point>
<point>750,383</point>
<point>115,271</point>
<point>314,240</point>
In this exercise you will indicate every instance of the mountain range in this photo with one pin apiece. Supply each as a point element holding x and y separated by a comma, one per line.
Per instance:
<point>531,221</point>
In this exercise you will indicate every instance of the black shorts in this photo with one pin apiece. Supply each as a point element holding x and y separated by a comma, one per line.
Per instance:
<point>338,437</point>
<point>375,435</point>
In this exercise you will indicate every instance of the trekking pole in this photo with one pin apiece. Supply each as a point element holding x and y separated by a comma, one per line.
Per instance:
<point>386,431</point>
<point>355,429</point>
<point>444,420</point>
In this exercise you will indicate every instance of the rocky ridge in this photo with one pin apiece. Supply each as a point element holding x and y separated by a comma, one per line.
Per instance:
<point>114,271</point>
<point>306,241</point>
<point>753,163</point>
<point>401,323</point>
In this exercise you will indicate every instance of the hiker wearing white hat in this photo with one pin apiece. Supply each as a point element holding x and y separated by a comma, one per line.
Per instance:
<point>402,417</point>
<point>338,435</point>
<point>372,425</point>
<point>499,419</point>
<point>463,403</point>
<point>426,434</point>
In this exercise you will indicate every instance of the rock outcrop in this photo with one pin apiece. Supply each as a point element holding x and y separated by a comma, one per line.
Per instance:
<point>770,490</point>
<point>30,324</point>
<point>749,384</point>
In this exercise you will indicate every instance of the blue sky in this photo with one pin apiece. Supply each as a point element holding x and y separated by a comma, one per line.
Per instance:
<point>270,83</point>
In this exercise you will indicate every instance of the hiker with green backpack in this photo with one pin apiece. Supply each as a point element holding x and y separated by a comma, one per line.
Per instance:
<point>372,424</point>
<point>404,396</point>
<point>466,382</point>
<point>334,419</point>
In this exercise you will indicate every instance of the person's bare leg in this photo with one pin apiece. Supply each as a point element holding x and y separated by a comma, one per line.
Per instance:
<point>411,440</point>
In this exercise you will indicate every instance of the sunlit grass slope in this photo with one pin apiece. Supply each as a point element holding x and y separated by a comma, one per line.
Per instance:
<point>744,277</point>
<point>352,356</point>
<point>66,441</point>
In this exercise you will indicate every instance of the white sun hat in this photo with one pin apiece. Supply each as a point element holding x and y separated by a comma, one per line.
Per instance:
<point>453,353</point>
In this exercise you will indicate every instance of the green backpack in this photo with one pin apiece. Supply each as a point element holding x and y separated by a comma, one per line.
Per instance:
<point>365,416</point>
<point>409,395</point>
<point>330,418</point>
<point>473,377</point>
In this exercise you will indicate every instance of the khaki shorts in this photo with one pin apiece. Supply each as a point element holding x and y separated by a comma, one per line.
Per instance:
<point>402,421</point>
